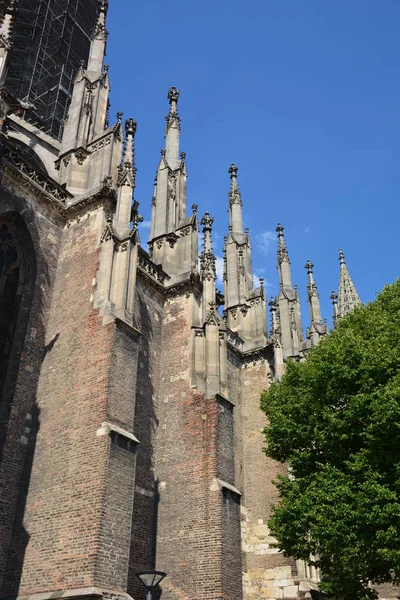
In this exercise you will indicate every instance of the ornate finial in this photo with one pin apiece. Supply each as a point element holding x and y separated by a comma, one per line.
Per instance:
<point>106,68</point>
<point>119,117</point>
<point>100,27</point>
<point>309,266</point>
<point>183,155</point>
<point>82,64</point>
<point>207,222</point>
<point>207,258</point>
<point>272,304</point>
<point>233,169</point>
<point>282,250</point>
<point>246,230</point>
<point>173,95</point>
<point>172,118</point>
<point>130,126</point>
<point>194,209</point>
<point>162,152</point>
<point>234,193</point>
<point>341,257</point>
<point>334,297</point>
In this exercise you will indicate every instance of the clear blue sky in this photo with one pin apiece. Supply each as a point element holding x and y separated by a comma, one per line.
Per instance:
<point>303,95</point>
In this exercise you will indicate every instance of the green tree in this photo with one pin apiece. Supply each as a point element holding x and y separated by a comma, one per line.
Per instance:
<point>334,419</point>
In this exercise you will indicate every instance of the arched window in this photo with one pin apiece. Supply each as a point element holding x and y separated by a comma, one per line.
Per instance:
<point>12,273</point>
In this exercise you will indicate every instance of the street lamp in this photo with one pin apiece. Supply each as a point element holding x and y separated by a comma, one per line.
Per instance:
<point>150,580</point>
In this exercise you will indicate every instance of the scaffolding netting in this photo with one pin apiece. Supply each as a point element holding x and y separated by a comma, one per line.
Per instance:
<point>51,38</point>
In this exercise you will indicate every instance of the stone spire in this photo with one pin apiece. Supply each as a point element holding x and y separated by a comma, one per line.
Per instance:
<point>173,236</point>
<point>285,278</point>
<point>169,201</point>
<point>317,327</point>
<point>244,305</point>
<point>235,202</point>
<point>288,302</point>
<point>126,178</point>
<point>348,298</point>
<point>99,40</point>
<point>173,129</point>
<point>313,296</point>
<point>86,156</point>
<point>237,250</point>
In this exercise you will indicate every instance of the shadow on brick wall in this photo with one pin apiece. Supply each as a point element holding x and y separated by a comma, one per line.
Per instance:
<point>146,498</point>
<point>19,411</point>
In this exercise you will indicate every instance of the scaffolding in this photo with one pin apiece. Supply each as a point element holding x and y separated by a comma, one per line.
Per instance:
<point>51,39</point>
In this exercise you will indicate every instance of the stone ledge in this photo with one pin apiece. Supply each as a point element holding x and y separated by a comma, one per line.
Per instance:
<point>219,396</point>
<point>77,593</point>
<point>88,592</point>
<point>219,484</point>
<point>108,427</point>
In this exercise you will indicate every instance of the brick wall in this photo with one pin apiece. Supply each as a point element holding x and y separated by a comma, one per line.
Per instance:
<point>79,506</point>
<point>195,519</point>
<point>148,316</point>
<point>39,234</point>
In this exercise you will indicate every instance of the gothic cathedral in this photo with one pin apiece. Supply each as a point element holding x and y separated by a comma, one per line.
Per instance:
<point>130,426</point>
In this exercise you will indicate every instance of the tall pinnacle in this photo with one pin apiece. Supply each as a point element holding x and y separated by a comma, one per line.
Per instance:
<point>334,298</point>
<point>283,259</point>
<point>208,272</point>
<point>126,180</point>
<point>235,202</point>
<point>173,128</point>
<point>313,296</point>
<point>348,298</point>
<point>127,168</point>
<point>99,40</point>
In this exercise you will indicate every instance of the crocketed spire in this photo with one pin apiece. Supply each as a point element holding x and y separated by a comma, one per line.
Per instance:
<point>285,277</point>
<point>348,298</point>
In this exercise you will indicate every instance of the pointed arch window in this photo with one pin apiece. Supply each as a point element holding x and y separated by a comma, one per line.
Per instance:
<point>11,287</point>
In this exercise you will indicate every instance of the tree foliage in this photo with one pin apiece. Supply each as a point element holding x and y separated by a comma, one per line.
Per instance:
<point>334,419</point>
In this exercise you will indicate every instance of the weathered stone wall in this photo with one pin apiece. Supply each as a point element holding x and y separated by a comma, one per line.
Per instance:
<point>267,573</point>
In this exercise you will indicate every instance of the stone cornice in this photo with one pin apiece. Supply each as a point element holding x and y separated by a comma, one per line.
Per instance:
<point>43,187</point>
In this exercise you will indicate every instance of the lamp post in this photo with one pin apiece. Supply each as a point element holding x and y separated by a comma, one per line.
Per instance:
<point>150,580</point>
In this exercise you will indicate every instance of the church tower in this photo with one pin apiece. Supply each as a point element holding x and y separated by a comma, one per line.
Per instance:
<point>130,421</point>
